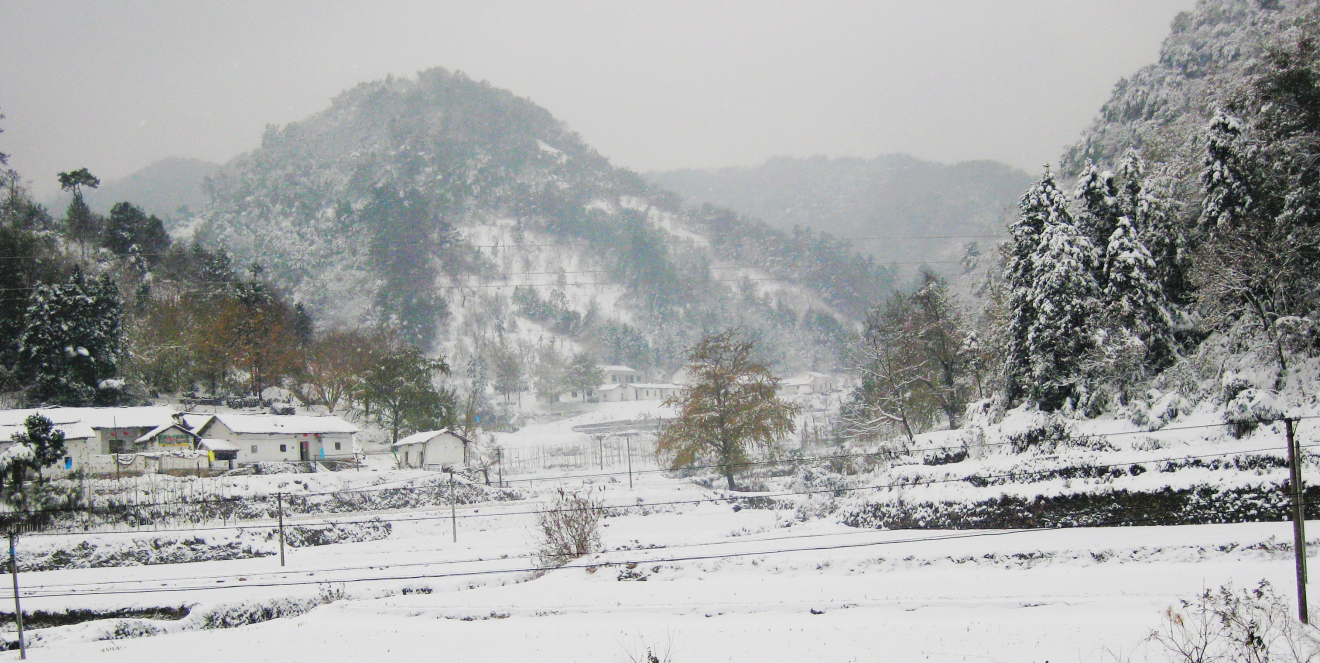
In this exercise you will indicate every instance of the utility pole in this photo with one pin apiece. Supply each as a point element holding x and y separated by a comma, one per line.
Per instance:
<point>600,447</point>
<point>1298,517</point>
<point>18,608</point>
<point>453,510</point>
<point>280,497</point>
<point>627,441</point>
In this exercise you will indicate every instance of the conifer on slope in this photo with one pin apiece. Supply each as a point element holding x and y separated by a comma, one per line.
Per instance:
<point>1042,202</point>
<point>1134,301</point>
<point>1063,297</point>
<point>72,342</point>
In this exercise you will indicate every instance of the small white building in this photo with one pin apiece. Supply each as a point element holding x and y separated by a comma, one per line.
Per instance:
<point>657,391</point>
<point>434,449</point>
<point>80,444</point>
<point>91,433</point>
<point>806,383</point>
<point>291,438</point>
<point>613,393</point>
<point>619,375</point>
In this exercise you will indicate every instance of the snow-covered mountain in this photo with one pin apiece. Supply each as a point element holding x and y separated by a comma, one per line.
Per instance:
<point>474,219</point>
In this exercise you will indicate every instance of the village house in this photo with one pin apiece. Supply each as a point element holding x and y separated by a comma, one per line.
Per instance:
<point>92,433</point>
<point>806,383</point>
<point>619,375</point>
<point>434,449</point>
<point>658,391</point>
<point>290,438</point>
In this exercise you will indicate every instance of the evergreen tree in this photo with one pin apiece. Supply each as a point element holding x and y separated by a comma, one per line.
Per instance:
<point>1098,209</point>
<point>1225,176</point>
<point>1133,298</point>
<point>71,342</point>
<point>1158,220</point>
<point>1040,205</point>
<point>1063,297</point>
<point>80,222</point>
<point>130,231</point>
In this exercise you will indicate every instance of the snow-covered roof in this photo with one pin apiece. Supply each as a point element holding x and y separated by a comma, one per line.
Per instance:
<point>195,421</point>
<point>804,378</point>
<point>95,417</point>
<point>72,431</point>
<point>616,369</point>
<point>655,385</point>
<point>612,386</point>
<point>217,445</point>
<point>280,424</point>
<point>161,429</point>
<point>427,436</point>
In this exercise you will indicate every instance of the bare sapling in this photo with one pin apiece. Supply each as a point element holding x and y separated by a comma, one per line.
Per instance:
<point>568,528</point>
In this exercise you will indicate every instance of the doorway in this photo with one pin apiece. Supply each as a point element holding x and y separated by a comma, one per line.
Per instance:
<point>304,451</point>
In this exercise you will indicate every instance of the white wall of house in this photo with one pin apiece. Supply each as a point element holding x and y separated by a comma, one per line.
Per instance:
<point>441,449</point>
<point>274,447</point>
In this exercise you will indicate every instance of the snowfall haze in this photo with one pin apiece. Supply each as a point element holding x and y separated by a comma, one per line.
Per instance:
<point>654,86</point>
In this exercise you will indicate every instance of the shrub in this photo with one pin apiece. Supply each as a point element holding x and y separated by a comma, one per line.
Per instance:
<point>1253,625</point>
<point>567,528</point>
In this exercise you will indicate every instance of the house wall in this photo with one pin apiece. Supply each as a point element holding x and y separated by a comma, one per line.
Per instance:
<point>438,451</point>
<point>265,448</point>
<point>120,440</point>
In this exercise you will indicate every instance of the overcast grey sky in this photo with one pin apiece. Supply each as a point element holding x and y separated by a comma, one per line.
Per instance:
<point>115,86</point>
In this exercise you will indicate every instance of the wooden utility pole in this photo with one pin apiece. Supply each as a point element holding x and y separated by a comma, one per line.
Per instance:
<point>1298,516</point>
<point>280,498</point>
<point>453,509</point>
<point>18,608</point>
<point>627,441</point>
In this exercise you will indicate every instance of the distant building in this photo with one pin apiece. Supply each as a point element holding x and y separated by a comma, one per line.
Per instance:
<point>292,438</point>
<point>806,383</point>
<point>658,391</point>
<point>619,375</point>
<point>434,449</point>
<point>92,433</point>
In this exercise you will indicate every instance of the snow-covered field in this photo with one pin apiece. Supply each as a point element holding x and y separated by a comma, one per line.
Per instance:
<point>706,581</point>
<point>688,571</point>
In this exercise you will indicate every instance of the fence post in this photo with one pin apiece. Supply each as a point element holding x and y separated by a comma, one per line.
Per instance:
<point>280,498</point>
<point>1298,518</point>
<point>18,608</point>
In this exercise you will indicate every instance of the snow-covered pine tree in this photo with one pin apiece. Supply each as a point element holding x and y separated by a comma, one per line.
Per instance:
<point>1131,178</point>
<point>1063,298</point>
<point>1098,210</point>
<point>1134,302</point>
<point>1159,223</point>
<point>71,342</point>
<point>1225,177</point>
<point>1041,204</point>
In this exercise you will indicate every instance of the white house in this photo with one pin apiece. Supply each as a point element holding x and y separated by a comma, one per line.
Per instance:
<point>91,433</point>
<point>619,375</point>
<point>657,391</point>
<point>613,393</point>
<point>806,383</point>
<point>271,437</point>
<point>434,449</point>
<point>80,443</point>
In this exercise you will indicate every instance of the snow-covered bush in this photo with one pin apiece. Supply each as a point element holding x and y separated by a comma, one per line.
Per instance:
<point>568,527</point>
<point>1229,625</point>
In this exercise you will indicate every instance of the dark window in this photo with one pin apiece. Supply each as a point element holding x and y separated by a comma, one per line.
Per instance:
<point>284,447</point>
<point>254,448</point>
<point>336,446</point>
